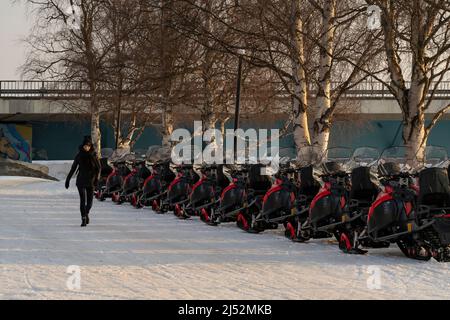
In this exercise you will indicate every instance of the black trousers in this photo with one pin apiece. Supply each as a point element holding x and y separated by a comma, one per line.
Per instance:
<point>86,199</point>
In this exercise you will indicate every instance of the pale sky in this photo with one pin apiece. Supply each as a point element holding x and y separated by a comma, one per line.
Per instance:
<point>14,26</point>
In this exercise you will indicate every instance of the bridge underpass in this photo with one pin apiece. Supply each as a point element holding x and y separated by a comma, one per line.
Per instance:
<point>373,118</point>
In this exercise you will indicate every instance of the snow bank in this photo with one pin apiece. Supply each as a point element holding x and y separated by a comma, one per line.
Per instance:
<point>57,169</point>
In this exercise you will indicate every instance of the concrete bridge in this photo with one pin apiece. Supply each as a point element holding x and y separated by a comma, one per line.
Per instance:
<point>20,98</point>
<point>370,117</point>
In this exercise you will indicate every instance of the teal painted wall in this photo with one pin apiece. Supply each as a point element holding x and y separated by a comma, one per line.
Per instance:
<point>383,134</point>
<point>61,139</point>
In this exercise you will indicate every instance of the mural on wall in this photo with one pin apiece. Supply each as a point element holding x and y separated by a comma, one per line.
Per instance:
<point>15,142</point>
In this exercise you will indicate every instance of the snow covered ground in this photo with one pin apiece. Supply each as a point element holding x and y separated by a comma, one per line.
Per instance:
<point>136,254</point>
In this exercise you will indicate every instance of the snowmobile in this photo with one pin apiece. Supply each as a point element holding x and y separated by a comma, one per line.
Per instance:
<point>417,219</point>
<point>105,171</point>
<point>155,186</point>
<point>308,188</point>
<point>204,194</point>
<point>325,212</point>
<point>179,190</point>
<point>233,197</point>
<point>279,203</point>
<point>114,182</point>
<point>256,187</point>
<point>363,191</point>
<point>133,182</point>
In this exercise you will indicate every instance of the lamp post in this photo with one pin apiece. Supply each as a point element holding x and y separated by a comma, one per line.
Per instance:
<point>119,112</point>
<point>241,53</point>
<point>119,116</point>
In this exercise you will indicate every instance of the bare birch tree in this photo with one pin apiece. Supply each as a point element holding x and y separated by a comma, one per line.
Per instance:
<point>416,37</point>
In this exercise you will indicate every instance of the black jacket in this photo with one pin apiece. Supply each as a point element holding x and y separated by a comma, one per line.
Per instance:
<point>88,167</point>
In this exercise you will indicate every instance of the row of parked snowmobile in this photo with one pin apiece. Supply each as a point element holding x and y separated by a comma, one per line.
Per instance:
<point>364,198</point>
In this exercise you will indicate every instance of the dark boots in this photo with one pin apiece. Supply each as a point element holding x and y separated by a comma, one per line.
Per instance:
<point>83,222</point>
<point>87,218</point>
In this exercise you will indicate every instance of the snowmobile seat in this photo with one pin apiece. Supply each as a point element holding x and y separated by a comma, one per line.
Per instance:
<point>332,168</point>
<point>106,169</point>
<point>222,180</point>
<point>389,169</point>
<point>308,185</point>
<point>434,188</point>
<point>123,169</point>
<point>164,170</point>
<point>363,189</point>
<point>257,182</point>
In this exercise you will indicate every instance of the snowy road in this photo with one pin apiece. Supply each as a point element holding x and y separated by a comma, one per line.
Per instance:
<point>131,254</point>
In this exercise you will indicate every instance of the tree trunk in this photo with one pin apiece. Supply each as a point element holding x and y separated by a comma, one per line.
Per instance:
<point>165,65</point>
<point>223,123</point>
<point>95,126</point>
<point>167,125</point>
<point>208,112</point>
<point>415,140</point>
<point>322,122</point>
<point>414,128</point>
<point>414,123</point>
<point>300,101</point>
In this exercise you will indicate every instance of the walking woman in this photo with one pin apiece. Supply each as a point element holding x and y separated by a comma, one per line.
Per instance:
<point>88,166</point>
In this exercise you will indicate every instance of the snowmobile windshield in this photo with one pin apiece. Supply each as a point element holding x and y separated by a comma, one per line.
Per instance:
<point>309,156</point>
<point>157,154</point>
<point>392,161</point>
<point>336,160</point>
<point>394,155</point>
<point>435,157</point>
<point>365,157</point>
<point>130,158</point>
<point>107,152</point>
<point>278,154</point>
<point>338,155</point>
<point>119,155</point>
<point>140,153</point>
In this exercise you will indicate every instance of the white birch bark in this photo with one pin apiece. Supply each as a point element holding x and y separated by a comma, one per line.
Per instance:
<point>300,102</point>
<point>322,121</point>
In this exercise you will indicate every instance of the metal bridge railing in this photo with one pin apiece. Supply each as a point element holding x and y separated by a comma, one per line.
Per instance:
<point>60,90</point>
<point>43,90</point>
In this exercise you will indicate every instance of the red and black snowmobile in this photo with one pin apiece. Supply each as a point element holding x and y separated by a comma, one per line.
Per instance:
<point>105,171</point>
<point>114,182</point>
<point>233,197</point>
<point>134,181</point>
<point>307,190</point>
<point>416,218</point>
<point>279,203</point>
<point>257,186</point>
<point>364,190</point>
<point>179,190</point>
<point>205,192</point>
<point>155,186</point>
<point>330,203</point>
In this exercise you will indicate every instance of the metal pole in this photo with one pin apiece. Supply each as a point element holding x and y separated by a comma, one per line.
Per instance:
<point>119,116</point>
<point>238,105</point>
<point>119,112</point>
